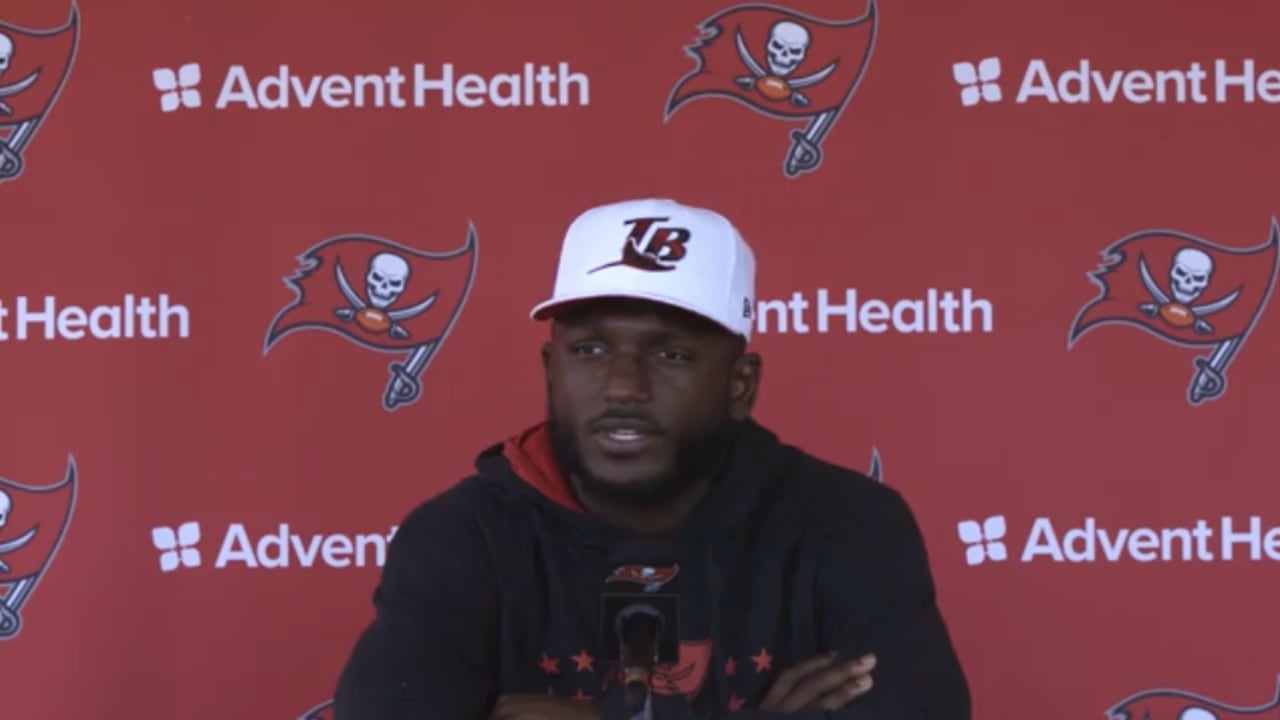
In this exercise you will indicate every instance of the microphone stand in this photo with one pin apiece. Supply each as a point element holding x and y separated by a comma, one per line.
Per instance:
<point>638,626</point>
<point>637,694</point>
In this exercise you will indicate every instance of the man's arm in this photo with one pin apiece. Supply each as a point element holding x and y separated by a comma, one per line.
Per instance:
<point>427,653</point>
<point>876,595</point>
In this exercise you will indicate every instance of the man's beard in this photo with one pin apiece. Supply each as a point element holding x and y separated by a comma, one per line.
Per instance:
<point>696,458</point>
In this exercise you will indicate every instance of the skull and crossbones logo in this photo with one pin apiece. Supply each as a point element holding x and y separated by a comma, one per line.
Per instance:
<point>787,47</point>
<point>6,59</point>
<point>386,280</point>
<point>8,546</point>
<point>1189,276</point>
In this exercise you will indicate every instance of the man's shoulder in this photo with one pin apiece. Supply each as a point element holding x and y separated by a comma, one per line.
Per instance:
<point>841,494</point>
<point>827,479</point>
<point>467,503</point>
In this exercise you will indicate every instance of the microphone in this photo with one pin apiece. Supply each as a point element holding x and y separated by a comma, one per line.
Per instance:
<point>640,617</point>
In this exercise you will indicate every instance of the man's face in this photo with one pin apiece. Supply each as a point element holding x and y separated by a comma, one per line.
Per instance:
<point>642,397</point>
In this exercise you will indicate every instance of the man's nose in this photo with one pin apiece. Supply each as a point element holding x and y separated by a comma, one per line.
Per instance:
<point>626,380</point>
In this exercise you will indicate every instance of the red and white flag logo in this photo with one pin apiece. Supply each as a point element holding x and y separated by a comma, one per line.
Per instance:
<point>1185,291</point>
<point>784,64</point>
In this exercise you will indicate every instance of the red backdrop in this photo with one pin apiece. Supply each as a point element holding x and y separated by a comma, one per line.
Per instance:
<point>202,458</point>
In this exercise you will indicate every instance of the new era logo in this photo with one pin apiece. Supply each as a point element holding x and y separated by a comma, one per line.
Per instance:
<point>985,540</point>
<point>978,82</point>
<point>178,88</point>
<point>177,546</point>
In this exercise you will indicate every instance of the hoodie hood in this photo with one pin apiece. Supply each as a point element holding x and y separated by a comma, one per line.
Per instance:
<point>525,466</point>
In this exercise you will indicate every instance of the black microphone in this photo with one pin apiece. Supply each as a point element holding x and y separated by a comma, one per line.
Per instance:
<point>640,610</point>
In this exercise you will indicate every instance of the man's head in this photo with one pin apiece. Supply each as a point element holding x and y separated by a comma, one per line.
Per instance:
<point>647,371</point>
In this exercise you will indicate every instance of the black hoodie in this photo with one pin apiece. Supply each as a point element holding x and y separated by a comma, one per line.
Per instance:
<point>493,587</point>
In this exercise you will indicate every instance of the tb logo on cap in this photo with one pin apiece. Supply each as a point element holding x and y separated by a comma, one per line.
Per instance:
<point>651,247</point>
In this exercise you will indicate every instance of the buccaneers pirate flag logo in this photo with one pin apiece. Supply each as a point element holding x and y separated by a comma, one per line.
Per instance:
<point>781,63</point>
<point>33,521</point>
<point>382,296</point>
<point>33,67</point>
<point>1180,705</point>
<point>1186,291</point>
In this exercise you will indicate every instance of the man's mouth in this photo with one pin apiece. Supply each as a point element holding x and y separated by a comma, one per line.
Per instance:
<point>624,436</point>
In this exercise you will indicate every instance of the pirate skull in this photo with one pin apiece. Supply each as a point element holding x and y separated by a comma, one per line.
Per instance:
<point>788,42</point>
<point>6,52</point>
<point>1190,274</point>
<point>388,274</point>
<point>6,507</point>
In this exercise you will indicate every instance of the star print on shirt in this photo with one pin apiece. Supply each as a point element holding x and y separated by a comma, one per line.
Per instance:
<point>747,685</point>
<point>584,661</point>
<point>550,666</point>
<point>763,660</point>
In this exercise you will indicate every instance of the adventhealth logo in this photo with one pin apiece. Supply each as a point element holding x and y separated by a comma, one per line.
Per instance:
<point>420,85</point>
<point>978,81</point>
<point>179,548</point>
<point>1084,81</point>
<point>1226,539</point>
<point>985,541</point>
<point>178,88</point>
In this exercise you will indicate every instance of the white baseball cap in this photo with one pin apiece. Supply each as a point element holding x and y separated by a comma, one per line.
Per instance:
<point>658,250</point>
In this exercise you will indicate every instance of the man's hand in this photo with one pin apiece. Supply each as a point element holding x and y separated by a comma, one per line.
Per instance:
<point>820,683</point>
<point>541,707</point>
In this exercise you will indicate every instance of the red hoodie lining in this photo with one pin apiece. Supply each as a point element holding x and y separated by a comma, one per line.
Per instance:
<point>533,461</point>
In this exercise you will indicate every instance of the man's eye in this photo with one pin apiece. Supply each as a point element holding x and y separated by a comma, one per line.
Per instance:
<point>587,349</point>
<point>674,355</point>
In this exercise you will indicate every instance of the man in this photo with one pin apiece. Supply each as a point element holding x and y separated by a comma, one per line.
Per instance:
<point>805,587</point>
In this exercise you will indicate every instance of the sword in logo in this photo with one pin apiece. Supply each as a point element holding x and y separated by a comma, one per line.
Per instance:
<point>1210,378</point>
<point>405,385</point>
<point>11,147</point>
<point>805,154</point>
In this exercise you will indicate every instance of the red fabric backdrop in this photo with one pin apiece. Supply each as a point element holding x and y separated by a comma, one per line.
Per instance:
<point>953,207</point>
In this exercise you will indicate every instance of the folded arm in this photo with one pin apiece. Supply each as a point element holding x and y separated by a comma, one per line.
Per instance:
<point>427,654</point>
<point>876,595</point>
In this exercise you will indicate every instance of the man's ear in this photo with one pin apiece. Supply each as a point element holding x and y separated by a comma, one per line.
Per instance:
<point>745,384</point>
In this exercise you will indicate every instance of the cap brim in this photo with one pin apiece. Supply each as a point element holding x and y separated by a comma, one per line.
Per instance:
<point>547,309</point>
